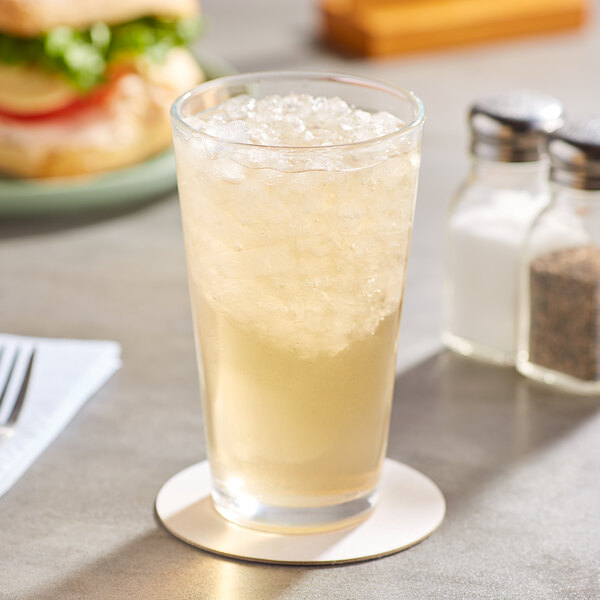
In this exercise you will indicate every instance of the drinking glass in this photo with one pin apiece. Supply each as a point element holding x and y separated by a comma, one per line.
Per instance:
<point>296,259</point>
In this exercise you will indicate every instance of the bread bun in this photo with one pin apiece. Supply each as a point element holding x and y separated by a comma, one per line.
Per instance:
<point>29,18</point>
<point>130,126</point>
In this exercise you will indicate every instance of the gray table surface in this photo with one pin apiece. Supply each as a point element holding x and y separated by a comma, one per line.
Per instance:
<point>518,463</point>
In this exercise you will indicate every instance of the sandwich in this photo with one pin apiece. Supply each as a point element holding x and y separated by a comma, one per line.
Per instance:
<point>86,85</point>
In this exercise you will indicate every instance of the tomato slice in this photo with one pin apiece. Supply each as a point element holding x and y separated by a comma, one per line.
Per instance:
<point>93,98</point>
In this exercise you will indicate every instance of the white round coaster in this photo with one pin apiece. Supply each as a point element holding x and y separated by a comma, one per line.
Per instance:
<point>410,508</point>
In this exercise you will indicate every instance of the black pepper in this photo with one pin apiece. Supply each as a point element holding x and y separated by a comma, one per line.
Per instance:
<point>564,331</point>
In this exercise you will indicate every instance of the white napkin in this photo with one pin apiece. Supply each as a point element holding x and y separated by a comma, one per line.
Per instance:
<point>65,374</point>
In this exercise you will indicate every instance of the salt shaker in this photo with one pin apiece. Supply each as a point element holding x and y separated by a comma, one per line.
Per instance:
<point>488,219</point>
<point>559,329</point>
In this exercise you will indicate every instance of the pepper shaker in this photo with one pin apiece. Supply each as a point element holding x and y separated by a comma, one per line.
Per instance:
<point>488,219</point>
<point>559,331</point>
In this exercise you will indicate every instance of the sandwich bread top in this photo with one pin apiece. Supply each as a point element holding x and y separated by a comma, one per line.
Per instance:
<point>29,18</point>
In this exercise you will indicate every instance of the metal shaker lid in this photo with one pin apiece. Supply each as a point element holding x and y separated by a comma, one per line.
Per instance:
<point>511,127</point>
<point>575,154</point>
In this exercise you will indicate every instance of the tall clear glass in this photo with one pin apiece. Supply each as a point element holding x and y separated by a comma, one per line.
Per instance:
<point>297,259</point>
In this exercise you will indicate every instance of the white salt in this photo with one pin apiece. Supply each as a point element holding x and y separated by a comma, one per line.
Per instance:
<point>484,252</point>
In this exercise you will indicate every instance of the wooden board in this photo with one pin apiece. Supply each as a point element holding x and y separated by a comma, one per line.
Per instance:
<point>387,27</point>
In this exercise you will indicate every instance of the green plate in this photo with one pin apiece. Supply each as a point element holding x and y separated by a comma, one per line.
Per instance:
<point>121,187</point>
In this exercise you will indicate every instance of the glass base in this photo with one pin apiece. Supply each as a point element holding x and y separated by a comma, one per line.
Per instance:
<point>410,508</point>
<point>477,351</point>
<point>248,512</point>
<point>557,379</point>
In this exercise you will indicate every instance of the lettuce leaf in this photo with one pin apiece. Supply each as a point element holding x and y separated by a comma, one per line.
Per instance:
<point>82,56</point>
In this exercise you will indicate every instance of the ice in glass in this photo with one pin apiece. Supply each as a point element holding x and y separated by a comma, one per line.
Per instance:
<point>297,211</point>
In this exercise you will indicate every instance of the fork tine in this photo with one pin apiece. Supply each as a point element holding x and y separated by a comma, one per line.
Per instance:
<point>18,405</point>
<point>9,375</point>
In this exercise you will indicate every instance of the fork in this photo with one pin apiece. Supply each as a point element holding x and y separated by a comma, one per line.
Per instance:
<point>13,389</point>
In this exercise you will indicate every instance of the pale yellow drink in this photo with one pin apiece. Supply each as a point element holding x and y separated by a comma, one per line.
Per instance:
<point>296,277</point>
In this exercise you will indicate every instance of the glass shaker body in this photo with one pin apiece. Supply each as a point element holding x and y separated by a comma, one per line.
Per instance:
<point>486,226</point>
<point>559,320</point>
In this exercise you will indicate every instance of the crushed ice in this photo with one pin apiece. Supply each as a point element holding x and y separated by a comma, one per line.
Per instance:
<point>293,120</point>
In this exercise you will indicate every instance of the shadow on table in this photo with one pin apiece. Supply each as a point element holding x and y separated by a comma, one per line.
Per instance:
<point>464,422</point>
<point>13,227</point>
<point>158,566</point>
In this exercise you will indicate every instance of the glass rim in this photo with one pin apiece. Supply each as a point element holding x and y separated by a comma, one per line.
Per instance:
<point>336,77</point>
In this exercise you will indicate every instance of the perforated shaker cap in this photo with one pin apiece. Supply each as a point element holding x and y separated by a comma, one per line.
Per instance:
<point>575,154</point>
<point>511,127</point>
